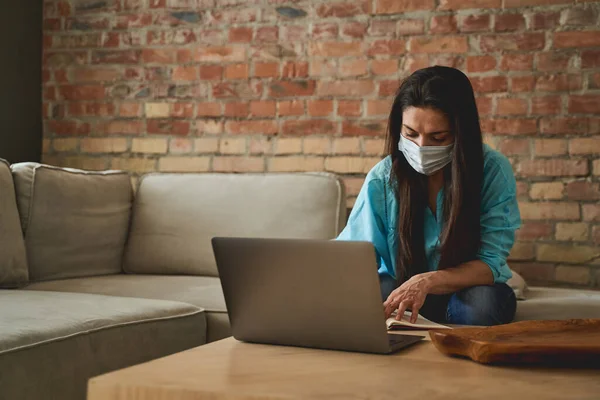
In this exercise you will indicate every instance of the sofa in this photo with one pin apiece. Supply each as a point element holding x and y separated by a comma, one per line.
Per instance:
<point>96,276</point>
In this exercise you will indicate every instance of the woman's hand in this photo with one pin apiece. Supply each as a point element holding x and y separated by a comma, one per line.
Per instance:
<point>410,295</point>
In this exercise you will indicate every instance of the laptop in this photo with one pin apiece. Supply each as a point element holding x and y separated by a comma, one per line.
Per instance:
<point>310,293</point>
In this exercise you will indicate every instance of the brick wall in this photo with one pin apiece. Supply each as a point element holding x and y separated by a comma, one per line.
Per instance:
<point>273,85</point>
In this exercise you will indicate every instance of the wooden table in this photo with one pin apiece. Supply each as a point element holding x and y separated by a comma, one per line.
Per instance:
<point>229,369</point>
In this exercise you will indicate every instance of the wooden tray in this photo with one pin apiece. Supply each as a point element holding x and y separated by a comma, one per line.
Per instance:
<point>574,342</point>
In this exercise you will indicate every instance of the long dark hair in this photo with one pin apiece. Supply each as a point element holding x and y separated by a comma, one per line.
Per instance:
<point>449,91</point>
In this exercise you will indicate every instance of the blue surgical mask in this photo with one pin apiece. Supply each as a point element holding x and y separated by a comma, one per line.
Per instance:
<point>428,159</point>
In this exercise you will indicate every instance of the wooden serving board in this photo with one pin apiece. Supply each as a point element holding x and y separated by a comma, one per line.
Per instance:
<point>574,343</point>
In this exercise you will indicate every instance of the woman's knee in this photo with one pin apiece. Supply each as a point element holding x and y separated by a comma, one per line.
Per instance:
<point>482,305</point>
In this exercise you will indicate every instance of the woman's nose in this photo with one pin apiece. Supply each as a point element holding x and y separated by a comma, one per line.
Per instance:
<point>421,141</point>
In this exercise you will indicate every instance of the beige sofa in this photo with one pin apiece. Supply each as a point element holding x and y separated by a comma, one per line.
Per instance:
<point>96,279</point>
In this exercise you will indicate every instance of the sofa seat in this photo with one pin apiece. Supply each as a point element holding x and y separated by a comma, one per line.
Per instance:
<point>201,291</point>
<point>554,303</point>
<point>52,343</point>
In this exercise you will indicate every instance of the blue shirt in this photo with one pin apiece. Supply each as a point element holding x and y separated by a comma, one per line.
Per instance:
<point>374,217</point>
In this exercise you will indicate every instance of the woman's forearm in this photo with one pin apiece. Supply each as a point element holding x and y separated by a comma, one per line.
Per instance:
<point>472,273</point>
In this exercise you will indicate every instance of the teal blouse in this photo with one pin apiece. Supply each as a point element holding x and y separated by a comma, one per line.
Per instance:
<point>374,217</point>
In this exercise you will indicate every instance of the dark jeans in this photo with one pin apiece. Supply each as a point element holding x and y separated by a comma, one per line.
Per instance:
<point>477,305</point>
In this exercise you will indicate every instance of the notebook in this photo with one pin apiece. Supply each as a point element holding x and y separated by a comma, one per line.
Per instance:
<point>404,323</point>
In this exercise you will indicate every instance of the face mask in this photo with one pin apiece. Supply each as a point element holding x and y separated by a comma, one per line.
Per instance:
<point>428,159</point>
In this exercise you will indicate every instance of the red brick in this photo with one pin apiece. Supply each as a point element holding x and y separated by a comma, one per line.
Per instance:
<point>564,126</point>
<point>577,39</point>
<point>489,84</point>
<point>252,127</point>
<point>159,56</point>
<point>292,107</point>
<point>349,108</point>
<point>517,62</point>
<point>209,109</point>
<point>354,88</point>
<point>511,107</point>
<point>438,44</point>
<point>326,30</point>
<point>579,16</point>
<point>583,190</point>
<point>291,88</point>
<point>236,71</point>
<point>122,127</point>
<point>474,23</point>
<point>553,61</point>
<point>335,49</point>
<point>402,6</point>
<point>522,189</point>
<point>91,109</point>
<point>388,88</point>
<point>585,145</point>
<point>515,126</point>
<point>596,235</point>
<point>236,109</point>
<point>525,3</point>
<point>52,24</point>
<point>514,147</point>
<point>354,30</point>
<point>594,81</point>
<point>86,74</point>
<point>67,128</point>
<point>262,108</point>
<point>442,24</point>
<point>532,231</point>
<point>293,69</point>
<point>549,211</point>
<point>590,59</point>
<point>220,54</point>
<point>550,147</point>
<point>464,4</point>
<point>484,105</point>
<point>266,69</point>
<point>295,33</point>
<point>116,57</point>
<point>353,67</point>
<point>309,127</point>
<point>387,47</point>
<point>589,104</point>
<point>386,27</point>
<point>343,9</point>
<point>378,107</point>
<point>480,63</point>
<point>237,89</point>
<point>82,92</point>
<point>555,168</point>
<point>384,67</point>
<point>267,34</point>
<point>558,82</point>
<point>549,105</point>
<point>182,73</point>
<point>406,27</point>
<point>129,21</point>
<point>167,127</point>
<point>241,35</point>
<point>211,72</point>
<point>182,110</point>
<point>129,109</point>
<point>320,108</point>
<point>522,83</point>
<point>509,22</point>
<point>545,20</point>
<point>363,128</point>
<point>515,41</point>
<point>591,212</point>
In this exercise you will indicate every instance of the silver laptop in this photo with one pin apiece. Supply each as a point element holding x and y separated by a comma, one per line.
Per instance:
<point>309,293</point>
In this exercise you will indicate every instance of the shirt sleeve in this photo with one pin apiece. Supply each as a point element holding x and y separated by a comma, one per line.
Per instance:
<point>367,221</point>
<point>500,218</point>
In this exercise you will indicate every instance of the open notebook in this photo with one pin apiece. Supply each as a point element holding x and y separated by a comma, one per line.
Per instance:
<point>404,323</point>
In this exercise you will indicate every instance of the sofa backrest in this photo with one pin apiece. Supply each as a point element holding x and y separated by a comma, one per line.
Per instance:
<point>13,259</point>
<point>176,215</point>
<point>75,222</point>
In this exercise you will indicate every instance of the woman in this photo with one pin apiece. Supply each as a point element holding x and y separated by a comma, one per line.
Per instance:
<point>441,208</point>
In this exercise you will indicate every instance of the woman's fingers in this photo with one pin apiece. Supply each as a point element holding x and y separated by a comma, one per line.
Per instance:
<point>404,304</point>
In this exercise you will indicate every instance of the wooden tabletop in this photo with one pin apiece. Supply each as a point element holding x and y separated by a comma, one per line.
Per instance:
<point>229,369</point>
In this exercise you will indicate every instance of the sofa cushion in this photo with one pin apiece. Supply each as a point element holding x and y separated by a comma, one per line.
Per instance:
<point>52,343</point>
<point>75,222</point>
<point>204,292</point>
<point>554,303</point>
<point>13,261</point>
<point>176,215</point>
